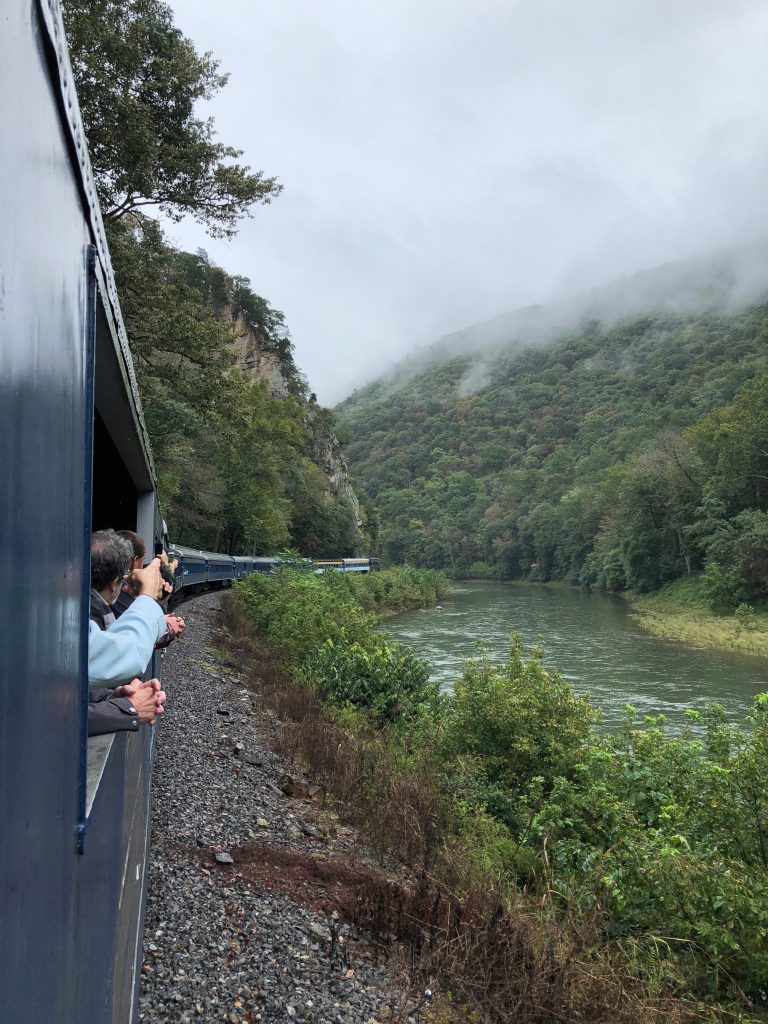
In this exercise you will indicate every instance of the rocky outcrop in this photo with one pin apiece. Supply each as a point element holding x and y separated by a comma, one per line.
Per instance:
<point>258,358</point>
<point>328,456</point>
<point>254,357</point>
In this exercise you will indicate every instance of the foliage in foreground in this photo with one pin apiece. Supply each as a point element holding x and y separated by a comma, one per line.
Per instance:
<point>668,832</point>
<point>663,838</point>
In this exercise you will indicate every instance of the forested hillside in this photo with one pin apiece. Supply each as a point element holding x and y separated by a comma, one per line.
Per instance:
<point>237,437</point>
<point>621,454</point>
<point>246,459</point>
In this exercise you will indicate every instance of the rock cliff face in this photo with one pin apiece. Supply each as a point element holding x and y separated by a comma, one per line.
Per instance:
<point>328,456</point>
<point>258,358</point>
<point>254,357</point>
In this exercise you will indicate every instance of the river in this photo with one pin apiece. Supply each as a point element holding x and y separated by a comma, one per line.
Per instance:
<point>594,642</point>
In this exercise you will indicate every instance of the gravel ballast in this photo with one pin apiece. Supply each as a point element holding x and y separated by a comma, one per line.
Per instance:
<point>240,924</point>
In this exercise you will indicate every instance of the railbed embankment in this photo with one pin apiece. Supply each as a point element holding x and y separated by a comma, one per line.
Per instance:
<point>263,937</point>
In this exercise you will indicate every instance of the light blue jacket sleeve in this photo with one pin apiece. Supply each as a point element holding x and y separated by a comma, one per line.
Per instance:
<point>122,652</point>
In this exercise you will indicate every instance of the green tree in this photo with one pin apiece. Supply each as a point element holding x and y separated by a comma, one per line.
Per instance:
<point>138,82</point>
<point>739,567</point>
<point>733,442</point>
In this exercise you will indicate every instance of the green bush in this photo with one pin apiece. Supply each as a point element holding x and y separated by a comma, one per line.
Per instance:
<point>390,590</point>
<point>723,587</point>
<point>386,680</point>
<point>670,834</point>
<point>745,616</point>
<point>506,726</point>
<point>295,612</point>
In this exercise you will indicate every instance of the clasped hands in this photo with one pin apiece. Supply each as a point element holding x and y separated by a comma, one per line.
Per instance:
<point>147,696</point>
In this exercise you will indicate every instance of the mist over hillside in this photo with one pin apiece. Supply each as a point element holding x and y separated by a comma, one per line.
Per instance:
<point>724,281</point>
<point>613,439</point>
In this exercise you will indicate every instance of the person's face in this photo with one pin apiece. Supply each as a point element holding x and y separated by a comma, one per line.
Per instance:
<point>137,563</point>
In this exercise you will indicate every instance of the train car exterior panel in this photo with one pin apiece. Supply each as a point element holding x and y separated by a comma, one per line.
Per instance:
<point>265,564</point>
<point>71,910</point>
<point>118,817</point>
<point>220,567</point>
<point>192,569</point>
<point>43,458</point>
<point>242,566</point>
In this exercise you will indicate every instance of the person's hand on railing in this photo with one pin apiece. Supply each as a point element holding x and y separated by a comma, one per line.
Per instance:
<point>176,625</point>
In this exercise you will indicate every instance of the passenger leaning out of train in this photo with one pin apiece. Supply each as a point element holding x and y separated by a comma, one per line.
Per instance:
<point>119,651</point>
<point>174,623</point>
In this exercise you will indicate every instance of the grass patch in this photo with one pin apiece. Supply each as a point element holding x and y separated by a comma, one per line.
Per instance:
<point>679,610</point>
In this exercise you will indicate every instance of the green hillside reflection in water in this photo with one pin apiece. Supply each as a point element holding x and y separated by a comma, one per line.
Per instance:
<point>592,639</point>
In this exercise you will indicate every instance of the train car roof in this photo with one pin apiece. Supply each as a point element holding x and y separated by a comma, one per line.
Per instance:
<point>118,395</point>
<point>180,549</point>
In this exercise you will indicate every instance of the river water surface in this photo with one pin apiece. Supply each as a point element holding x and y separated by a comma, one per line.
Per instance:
<point>592,639</point>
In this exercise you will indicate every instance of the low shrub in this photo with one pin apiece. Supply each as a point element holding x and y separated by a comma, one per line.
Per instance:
<point>295,612</point>
<point>745,616</point>
<point>513,724</point>
<point>386,680</point>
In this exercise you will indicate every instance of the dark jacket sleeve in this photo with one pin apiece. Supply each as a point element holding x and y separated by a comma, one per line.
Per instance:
<point>110,714</point>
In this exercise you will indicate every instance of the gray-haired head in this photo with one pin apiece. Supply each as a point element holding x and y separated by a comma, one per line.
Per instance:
<point>110,557</point>
<point>136,542</point>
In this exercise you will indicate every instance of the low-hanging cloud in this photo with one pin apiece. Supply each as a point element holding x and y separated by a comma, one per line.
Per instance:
<point>445,163</point>
<point>477,377</point>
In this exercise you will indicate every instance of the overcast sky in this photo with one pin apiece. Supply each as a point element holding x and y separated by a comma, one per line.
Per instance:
<point>445,161</point>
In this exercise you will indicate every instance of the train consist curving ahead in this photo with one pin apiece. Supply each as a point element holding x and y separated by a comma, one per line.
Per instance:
<point>199,569</point>
<point>75,458</point>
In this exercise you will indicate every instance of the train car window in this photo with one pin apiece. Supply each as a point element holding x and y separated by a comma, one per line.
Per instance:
<point>98,752</point>
<point>119,494</point>
<point>114,492</point>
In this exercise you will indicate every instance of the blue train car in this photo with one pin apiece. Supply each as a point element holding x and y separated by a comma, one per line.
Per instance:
<point>192,570</point>
<point>221,567</point>
<point>243,565</point>
<point>265,563</point>
<point>74,457</point>
<point>199,569</point>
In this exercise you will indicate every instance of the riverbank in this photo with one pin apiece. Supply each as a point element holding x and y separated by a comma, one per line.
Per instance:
<point>679,612</point>
<point>532,834</point>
